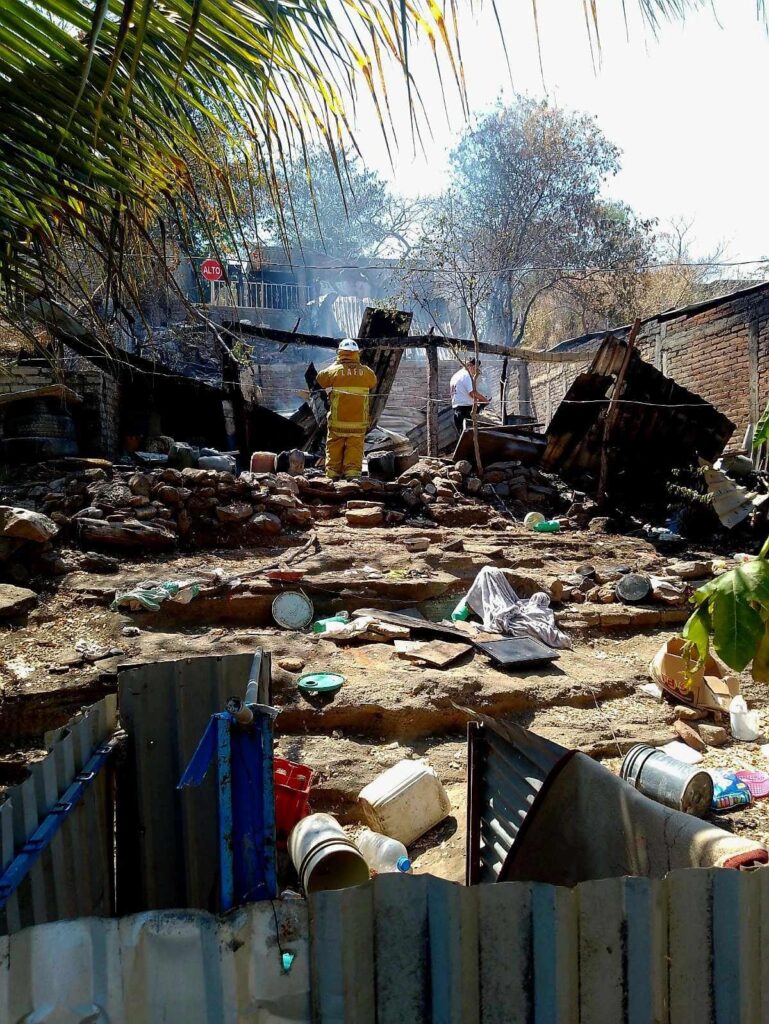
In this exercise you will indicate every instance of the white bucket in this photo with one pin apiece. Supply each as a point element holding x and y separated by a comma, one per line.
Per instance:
<point>405,801</point>
<point>323,855</point>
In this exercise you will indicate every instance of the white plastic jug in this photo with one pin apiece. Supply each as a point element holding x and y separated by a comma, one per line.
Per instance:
<point>744,723</point>
<point>405,801</point>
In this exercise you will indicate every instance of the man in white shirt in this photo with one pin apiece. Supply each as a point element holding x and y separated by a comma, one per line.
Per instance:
<point>464,391</point>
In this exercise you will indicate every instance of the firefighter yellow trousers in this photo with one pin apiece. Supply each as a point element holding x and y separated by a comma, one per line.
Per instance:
<point>344,455</point>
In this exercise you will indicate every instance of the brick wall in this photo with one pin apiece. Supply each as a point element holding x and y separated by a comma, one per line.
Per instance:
<point>719,350</point>
<point>97,417</point>
<point>406,407</point>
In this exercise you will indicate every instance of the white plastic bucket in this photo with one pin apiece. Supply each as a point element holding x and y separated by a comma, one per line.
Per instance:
<point>323,855</point>
<point>405,801</point>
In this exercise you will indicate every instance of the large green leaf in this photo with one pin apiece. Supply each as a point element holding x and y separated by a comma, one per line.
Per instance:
<point>731,606</point>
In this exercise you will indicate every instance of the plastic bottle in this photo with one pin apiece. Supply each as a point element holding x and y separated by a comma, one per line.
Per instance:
<point>548,526</point>
<point>383,854</point>
<point>324,625</point>
<point>461,613</point>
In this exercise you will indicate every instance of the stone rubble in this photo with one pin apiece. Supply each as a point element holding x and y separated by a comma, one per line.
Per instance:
<point>201,508</point>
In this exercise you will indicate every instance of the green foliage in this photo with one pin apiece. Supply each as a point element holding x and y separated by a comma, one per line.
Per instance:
<point>733,610</point>
<point>117,116</point>
<point>761,434</point>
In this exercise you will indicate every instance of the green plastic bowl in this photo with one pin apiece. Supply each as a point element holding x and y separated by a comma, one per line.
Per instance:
<point>320,682</point>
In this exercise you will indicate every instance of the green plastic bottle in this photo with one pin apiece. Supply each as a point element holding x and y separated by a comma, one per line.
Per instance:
<point>322,624</point>
<point>461,613</point>
<point>548,526</point>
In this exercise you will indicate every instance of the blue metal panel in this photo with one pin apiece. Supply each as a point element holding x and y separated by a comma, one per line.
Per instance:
<point>224,783</point>
<point>246,803</point>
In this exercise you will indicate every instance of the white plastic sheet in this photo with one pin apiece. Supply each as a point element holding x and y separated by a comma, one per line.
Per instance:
<point>502,611</point>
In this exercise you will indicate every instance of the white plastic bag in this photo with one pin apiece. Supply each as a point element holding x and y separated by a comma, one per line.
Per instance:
<point>744,723</point>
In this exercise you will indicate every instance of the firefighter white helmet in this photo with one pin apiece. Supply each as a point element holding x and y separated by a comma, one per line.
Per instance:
<point>348,345</point>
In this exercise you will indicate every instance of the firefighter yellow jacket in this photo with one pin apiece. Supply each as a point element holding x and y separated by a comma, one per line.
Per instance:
<point>350,383</point>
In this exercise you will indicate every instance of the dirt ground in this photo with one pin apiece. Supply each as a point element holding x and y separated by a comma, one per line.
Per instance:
<point>68,652</point>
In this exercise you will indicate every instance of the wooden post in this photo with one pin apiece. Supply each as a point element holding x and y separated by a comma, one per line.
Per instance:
<point>432,396</point>
<point>612,411</point>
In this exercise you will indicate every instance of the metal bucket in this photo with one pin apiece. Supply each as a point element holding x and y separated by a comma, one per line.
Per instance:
<point>324,856</point>
<point>668,781</point>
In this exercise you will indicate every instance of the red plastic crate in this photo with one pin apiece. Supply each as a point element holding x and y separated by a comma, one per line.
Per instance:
<point>292,795</point>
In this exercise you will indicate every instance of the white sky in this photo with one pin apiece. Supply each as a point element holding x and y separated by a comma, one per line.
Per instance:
<point>688,109</point>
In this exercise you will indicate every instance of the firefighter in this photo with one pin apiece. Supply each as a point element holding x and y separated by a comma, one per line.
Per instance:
<point>350,384</point>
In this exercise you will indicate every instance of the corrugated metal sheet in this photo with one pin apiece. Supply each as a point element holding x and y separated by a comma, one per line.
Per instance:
<point>693,947</point>
<point>73,875</point>
<point>504,780</point>
<point>167,838</point>
<point>181,967</point>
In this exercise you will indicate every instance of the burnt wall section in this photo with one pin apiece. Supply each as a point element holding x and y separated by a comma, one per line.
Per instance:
<point>719,350</point>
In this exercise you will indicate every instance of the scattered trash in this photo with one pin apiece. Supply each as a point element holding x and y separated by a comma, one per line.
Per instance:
<point>668,781</point>
<point>731,502</point>
<point>518,651</point>
<point>650,689</point>
<point>287,960</point>
<point>523,788</point>
<point>285,575</point>
<point>728,791</point>
<point>324,856</point>
<point>405,801</point>
<point>416,544</point>
<point>757,782</point>
<point>745,724</point>
<point>680,752</point>
<point>705,687</point>
<point>548,526</point>
<point>321,682</point>
<point>438,653</point>
<point>292,783</point>
<point>292,610</point>
<point>323,624</point>
<point>532,519</point>
<point>633,588</point>
<point>383,854</point>
<point>492,597</point>
<point>130,631</point>
<point>149,596</point>
<point>365,627</point>
<point>461,613</point>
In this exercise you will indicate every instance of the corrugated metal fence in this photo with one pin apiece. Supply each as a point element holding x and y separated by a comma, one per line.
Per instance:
<point>73,875</point>
<point>691,948</point>
<point>168,853</point>
<point>182,967</point>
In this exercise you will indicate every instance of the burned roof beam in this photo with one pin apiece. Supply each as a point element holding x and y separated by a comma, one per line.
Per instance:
<point>412,341</point>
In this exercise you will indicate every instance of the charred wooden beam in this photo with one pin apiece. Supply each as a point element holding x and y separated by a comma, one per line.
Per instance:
<point>401,342</point>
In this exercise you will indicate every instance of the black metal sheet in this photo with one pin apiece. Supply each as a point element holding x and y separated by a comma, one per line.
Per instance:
<point>518,650</point>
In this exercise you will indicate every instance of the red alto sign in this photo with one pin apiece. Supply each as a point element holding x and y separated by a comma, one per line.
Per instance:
<point>211,270</point>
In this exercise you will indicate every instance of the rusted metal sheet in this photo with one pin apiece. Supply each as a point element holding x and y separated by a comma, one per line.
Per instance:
<point>183,967</point>
<point>73,876</point>
<point>382,323</point>
<point>501,444</point>
<point>659,426</point>
<point>167,838</point>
